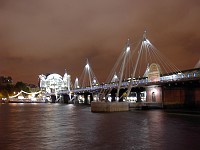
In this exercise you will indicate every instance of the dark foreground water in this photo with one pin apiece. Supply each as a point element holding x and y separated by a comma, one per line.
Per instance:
<point>57,127</point>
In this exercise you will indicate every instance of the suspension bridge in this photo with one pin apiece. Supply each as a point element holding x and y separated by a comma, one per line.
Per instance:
<point>141,74</point>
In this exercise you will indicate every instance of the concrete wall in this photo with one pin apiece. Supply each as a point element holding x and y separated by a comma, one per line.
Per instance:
<point>188,97</point>
<point>109,107</point>
<point>197,96</point>
<point>173,96</point>
<point>154,94</point>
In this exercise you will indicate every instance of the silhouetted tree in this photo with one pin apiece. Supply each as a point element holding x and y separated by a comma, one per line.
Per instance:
<point>21,86</point>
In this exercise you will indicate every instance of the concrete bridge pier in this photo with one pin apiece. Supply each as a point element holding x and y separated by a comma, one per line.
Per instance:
<point>88,98</point>
<point>65,98</point>
<point>138,96</point>
<point>138,92</point>
<point>53,98</point>
<point>76,99</point>
<point>113,95</point>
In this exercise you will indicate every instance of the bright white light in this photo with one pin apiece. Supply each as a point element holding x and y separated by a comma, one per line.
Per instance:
<point>128,49</point>
<point>147,42</point>
<point>20,97</point>
<point>33,99</point>
<point>87,66</point>
<point>109,99</point>
<point>174,76</point>
<point>154,90</point>
<point>94,81</point>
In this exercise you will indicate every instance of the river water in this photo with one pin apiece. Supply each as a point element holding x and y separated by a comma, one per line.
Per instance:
<point>69,127</point>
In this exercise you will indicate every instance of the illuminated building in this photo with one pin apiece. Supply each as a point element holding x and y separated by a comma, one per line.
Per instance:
<point>53,83</point>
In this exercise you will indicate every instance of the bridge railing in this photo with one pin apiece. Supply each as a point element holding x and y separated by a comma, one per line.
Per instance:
<point>195,74</point>
<point>143,81</point>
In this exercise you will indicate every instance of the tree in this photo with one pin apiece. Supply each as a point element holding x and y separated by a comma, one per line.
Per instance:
<point>21,86</point>
<point>3,93</point>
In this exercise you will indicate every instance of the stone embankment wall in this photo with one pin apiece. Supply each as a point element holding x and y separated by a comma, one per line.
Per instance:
<point>187,97</point>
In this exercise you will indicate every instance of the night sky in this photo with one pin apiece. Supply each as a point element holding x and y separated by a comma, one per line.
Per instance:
<point>47,36</point>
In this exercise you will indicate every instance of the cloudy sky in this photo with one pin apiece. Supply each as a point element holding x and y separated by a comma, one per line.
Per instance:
<point>41,36</point>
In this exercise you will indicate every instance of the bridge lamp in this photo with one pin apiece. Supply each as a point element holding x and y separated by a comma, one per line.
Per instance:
<point>87,66</point>
<point>115,77</point>
<point>155,91</point>
<point>147,42</point>
<point>128,49</point>
<point>94,81</point>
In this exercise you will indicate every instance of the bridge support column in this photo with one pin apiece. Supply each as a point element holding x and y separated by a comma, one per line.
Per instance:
<point>91,98</point>
<point>138,96</point>
<point>120,96</point>
<point>53,98</point>
<point>76,99</point>
<point>113,95</point>
<point>85,98</point>
<point>66,98</point>
<point>88,98</point>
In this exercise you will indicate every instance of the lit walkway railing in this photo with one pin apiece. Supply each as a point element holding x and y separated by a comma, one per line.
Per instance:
<point>140,82</point>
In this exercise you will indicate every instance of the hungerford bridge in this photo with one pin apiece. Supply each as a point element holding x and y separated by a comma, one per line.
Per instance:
<point>140,74</point>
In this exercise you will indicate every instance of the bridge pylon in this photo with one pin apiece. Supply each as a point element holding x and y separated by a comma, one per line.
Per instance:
<point>88,78</point>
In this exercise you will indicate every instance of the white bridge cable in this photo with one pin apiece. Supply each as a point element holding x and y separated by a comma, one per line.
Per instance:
<point>141,61</point>
<point>114,69</point>
<point>150,54</point>
<point>88,77</point>
<point>155,56</point>
<point>105,92</point>
<point>134,71</point>
<point>164,62</point>
<point>143,55</point>
<point>122,67</point>
<point>127,51</point>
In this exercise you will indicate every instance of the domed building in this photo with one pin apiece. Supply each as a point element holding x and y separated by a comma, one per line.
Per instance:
<point>53,83</point>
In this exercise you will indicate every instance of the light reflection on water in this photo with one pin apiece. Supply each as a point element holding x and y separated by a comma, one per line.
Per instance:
<point>57,126</point>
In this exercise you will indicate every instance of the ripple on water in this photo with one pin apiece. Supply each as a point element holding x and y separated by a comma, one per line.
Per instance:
<point>59,126</point>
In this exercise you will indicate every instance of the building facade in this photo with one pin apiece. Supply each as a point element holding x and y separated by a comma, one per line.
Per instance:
<point>53,83</point>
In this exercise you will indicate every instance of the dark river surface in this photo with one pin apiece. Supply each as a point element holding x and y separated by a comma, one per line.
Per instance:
<point>70,127</point>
